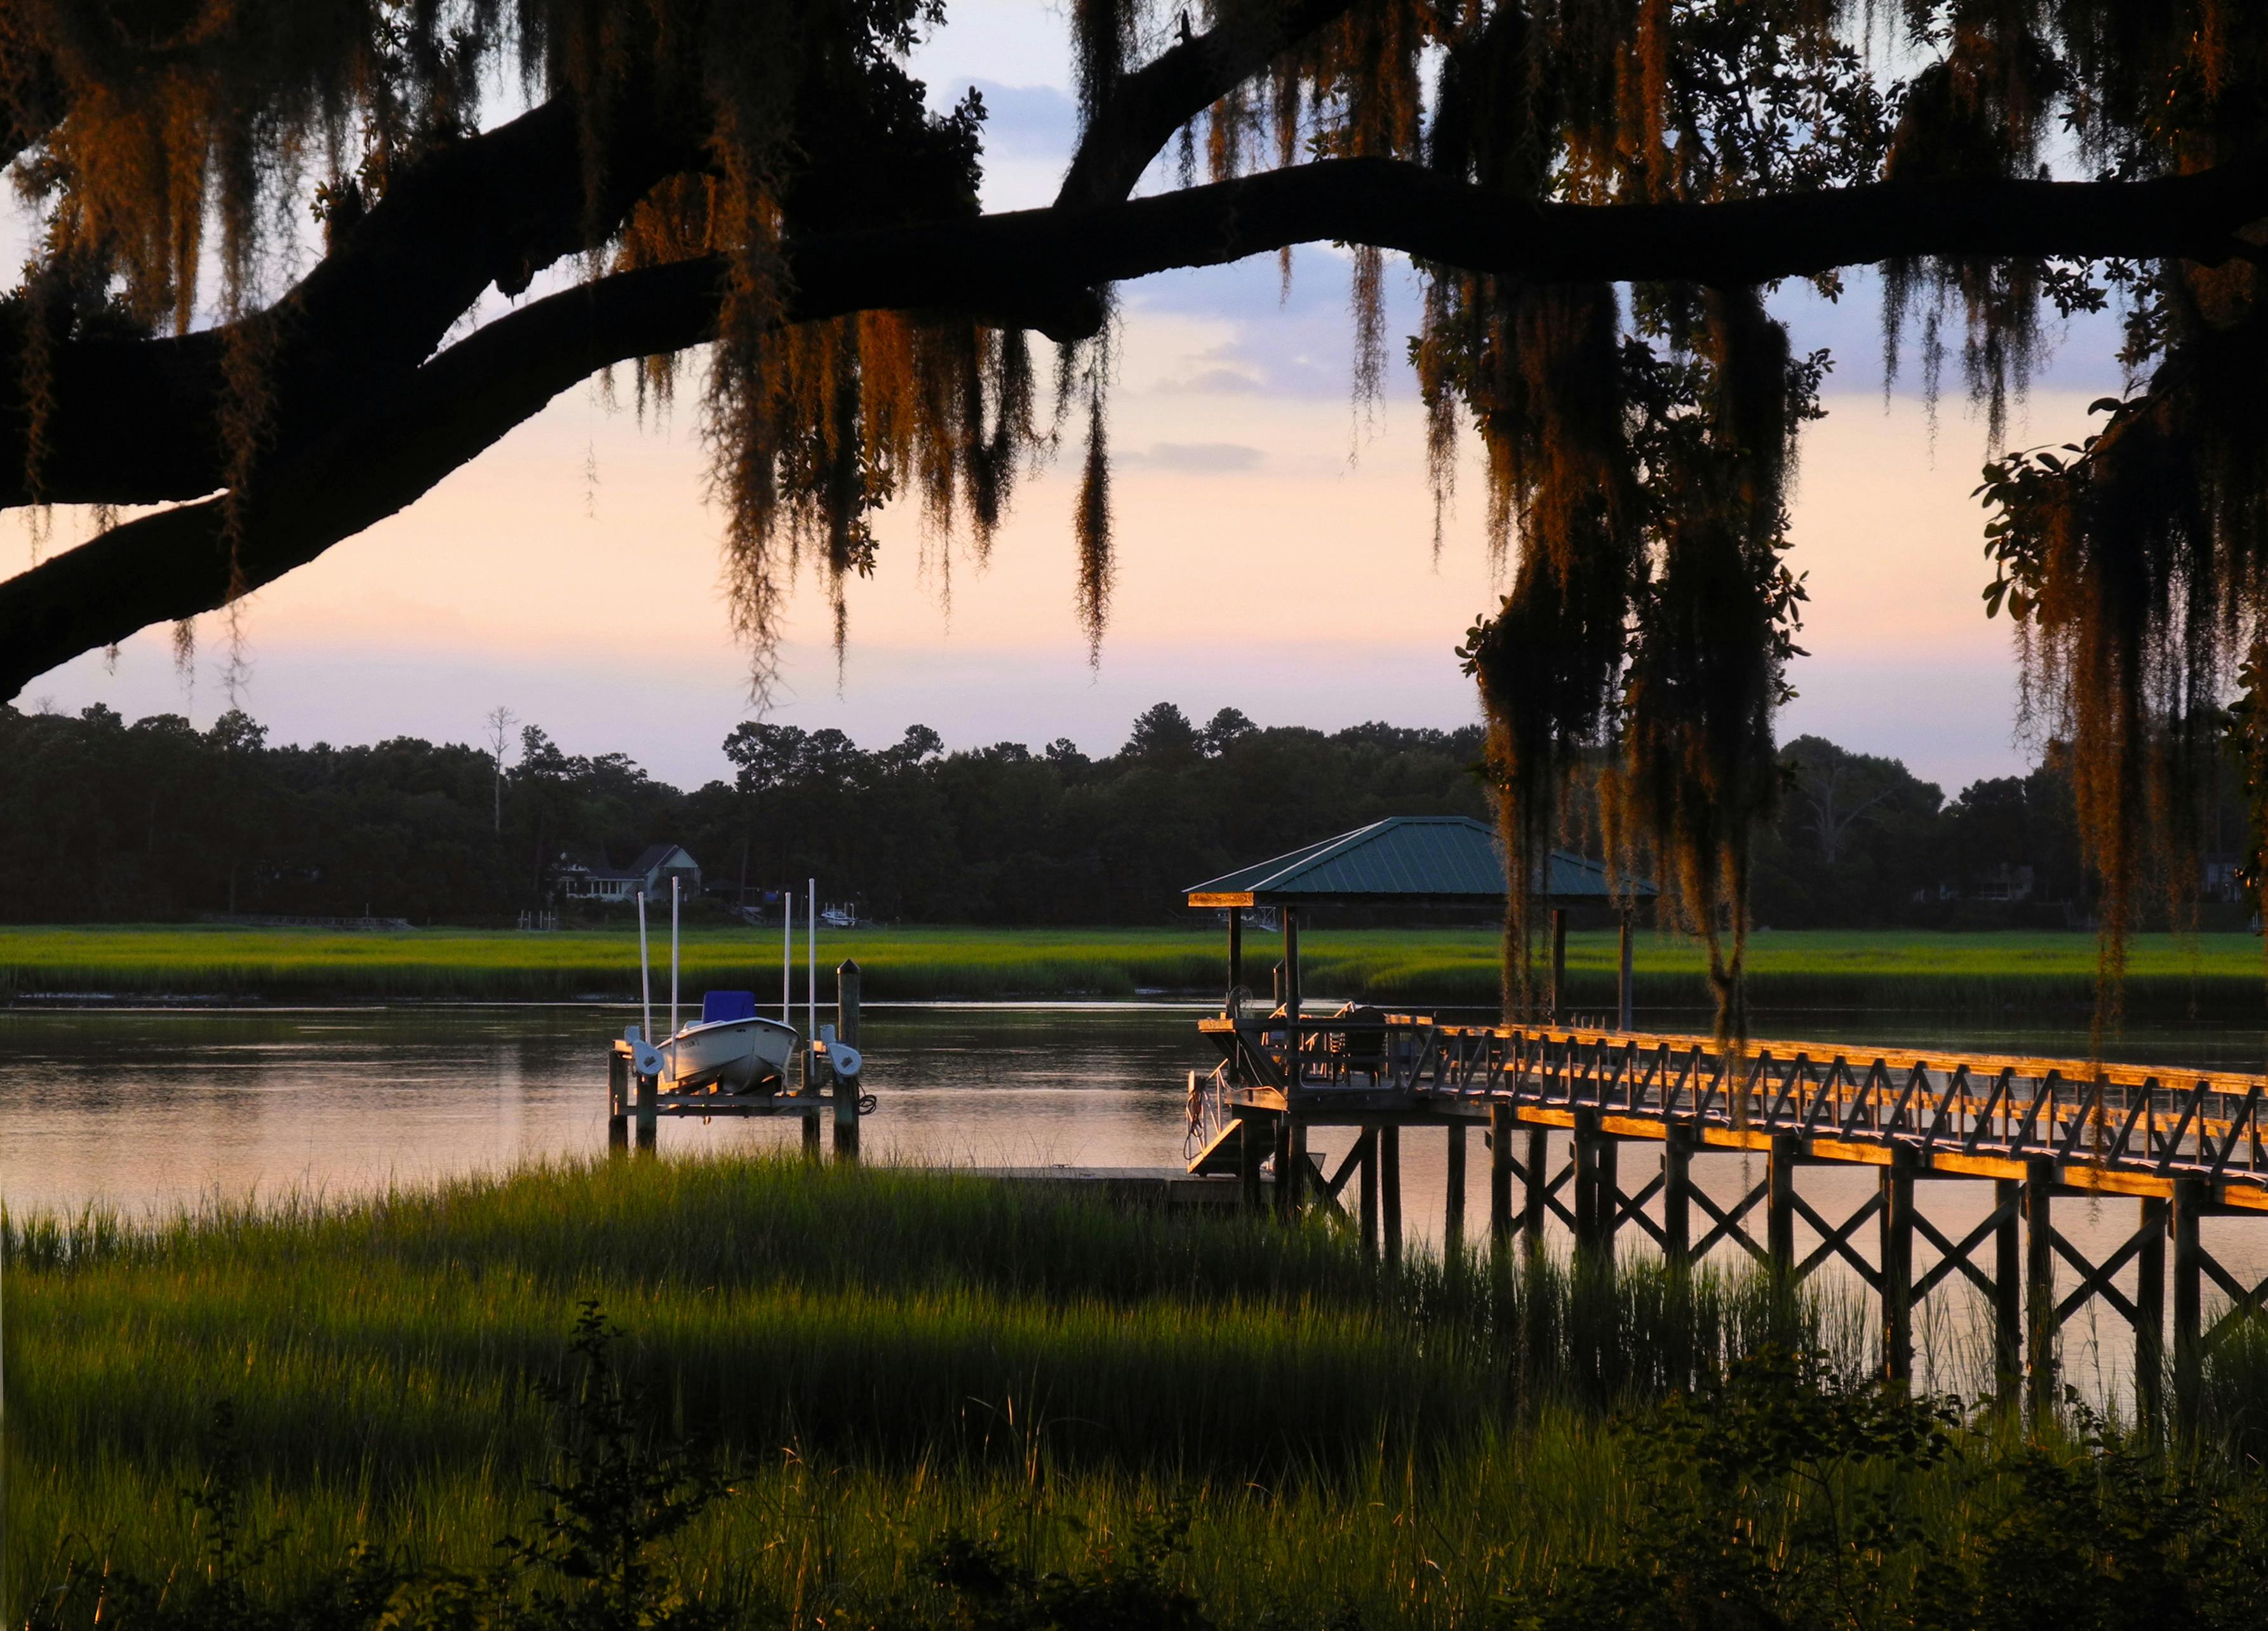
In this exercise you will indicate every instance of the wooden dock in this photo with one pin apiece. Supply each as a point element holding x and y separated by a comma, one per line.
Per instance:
<point>1558,1104</point>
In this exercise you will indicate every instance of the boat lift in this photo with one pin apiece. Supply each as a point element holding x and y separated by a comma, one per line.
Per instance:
<point>815,1073</point>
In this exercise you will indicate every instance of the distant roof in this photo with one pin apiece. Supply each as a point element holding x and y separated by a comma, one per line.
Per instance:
<point>652,856</point>
<point>1410,859</point>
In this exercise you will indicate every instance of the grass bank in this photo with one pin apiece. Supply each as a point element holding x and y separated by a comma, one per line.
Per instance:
<point>1890,971</point>
<point>946,1402</point>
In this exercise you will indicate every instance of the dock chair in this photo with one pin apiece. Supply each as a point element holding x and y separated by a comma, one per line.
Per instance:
<point>1360,1049</point>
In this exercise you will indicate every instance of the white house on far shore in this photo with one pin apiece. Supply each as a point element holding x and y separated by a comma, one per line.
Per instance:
<point>656,864</point>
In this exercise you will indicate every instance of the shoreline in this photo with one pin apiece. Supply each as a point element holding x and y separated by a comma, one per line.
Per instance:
<point>1986,973</point>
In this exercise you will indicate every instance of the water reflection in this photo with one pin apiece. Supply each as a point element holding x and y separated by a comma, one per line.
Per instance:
<point>149,1112</point>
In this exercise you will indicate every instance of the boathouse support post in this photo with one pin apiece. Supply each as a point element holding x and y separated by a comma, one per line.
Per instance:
<point>1625,995</point>
<point>2007,1289</point>
<point>2189,1289</point>
<point>1390,1190</point>
<point>1898,1215</point>
<point>1500,1137</point>
<point>1295,1149</point>
<point>1252,1135</point>
<point>1779,1206</point>
<point>1368,1156</point>
<point>1236,946</point>
<point>1677,1194</point>
<point>1558,960</point>
<point>1286,1181</point>
<point>847,979</point>
<point>1453,1199</point>
<point>2150,1317</point>
<point>2039,1289</point>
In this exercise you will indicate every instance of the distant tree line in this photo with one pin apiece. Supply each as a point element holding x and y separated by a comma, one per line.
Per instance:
<point>101,820</point>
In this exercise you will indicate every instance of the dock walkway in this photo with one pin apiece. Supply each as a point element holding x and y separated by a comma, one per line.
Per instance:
<point>1559,1103</point>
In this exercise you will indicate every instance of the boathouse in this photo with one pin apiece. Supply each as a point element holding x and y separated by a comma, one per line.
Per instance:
<point>1414,861</point>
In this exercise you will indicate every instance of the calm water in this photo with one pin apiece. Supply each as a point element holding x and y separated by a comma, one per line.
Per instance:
<point>151,1111</point>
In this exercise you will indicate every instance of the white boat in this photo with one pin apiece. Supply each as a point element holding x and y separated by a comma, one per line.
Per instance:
<point>730,1049</point>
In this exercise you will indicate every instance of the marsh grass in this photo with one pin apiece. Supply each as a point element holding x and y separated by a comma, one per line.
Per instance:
<point>945,1343</point>
<point>882,1359</point>
<point>1893,971</point>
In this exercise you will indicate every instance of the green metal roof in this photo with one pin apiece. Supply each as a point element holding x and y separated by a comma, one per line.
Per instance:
<point>1415,859</point>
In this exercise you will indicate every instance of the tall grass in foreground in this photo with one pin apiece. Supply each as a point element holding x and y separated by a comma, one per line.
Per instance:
<point>888,1360</point>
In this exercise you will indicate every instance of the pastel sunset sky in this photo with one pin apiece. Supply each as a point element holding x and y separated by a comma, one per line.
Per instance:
<point>1276,552</point>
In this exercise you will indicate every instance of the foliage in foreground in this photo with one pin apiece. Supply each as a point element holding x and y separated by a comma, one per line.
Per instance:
<point>1780,1493</point>
<point>901,1401</point>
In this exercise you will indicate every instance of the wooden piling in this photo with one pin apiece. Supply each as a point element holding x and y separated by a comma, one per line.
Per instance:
<point>1537,1190</point>
<point>1500,1126</point>
<point>1295,1139</point>
<point>1235,948</point>
<point>2189,1289</point>
<point>1586,1178</point>
<point>1677,1194</point>
<point>2008,1289</point>
<point>1779,1204</point>
<point>1390,1190</point>
<point>1606,1191</point>
<point>2150,1317</point>
<point>1452,1200</point>
<point>648,1110</point>
<point>2039,1289</point>
<point>1897,1258</point>
<point>1367,1156</point>
<point>618,1089</point>
<point>1286,1182</point>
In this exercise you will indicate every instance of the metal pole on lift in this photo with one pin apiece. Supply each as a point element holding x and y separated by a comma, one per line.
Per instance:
<point>787,958</point>
<point>646,972</point>
<point>673,954</point>
<point>811,948</point>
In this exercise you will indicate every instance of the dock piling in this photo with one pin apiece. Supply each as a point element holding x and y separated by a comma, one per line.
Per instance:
<point>1500,1125</point>
<point>2039,1289</point>
<point>2150,1317</point>
<point>1390,1190</point>
<point>1368,1155</point>
<point>618,1089</point>
<point>2188,1202</point>
<point>1779,1206</point>
<point>1452,1204</point>
<point>1897,1249</point>
<point>2007,1287</point>
<point>1677,1194</point>
<point>648,1090</point>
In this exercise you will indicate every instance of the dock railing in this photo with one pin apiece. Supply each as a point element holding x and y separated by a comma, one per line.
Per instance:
<point>1559,1103</point>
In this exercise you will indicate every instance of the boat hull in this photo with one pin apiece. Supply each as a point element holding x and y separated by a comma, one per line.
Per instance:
<point>726,1056</point>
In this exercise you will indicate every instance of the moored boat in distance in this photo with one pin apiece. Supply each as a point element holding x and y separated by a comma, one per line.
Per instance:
<point>730,1049</point>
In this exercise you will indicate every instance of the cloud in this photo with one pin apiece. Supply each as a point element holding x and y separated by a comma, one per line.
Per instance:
<point>1197,458</point>
<point>1216,382</point>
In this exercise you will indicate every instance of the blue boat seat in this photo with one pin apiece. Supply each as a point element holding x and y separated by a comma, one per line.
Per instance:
<point>727,1005</point>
